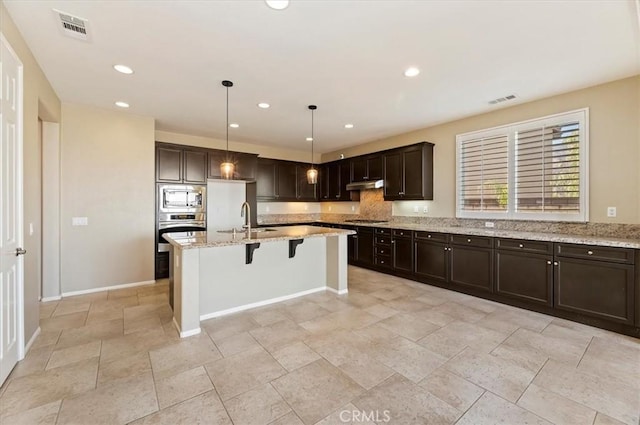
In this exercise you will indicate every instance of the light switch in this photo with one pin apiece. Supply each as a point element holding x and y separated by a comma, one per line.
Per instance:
<point>425,209</point>
<point>416,209</point>
<point>612,211</point>
<point>79,221</point>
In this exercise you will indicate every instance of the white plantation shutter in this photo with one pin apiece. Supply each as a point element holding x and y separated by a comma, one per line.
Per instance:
<point>483,173</point>
<point>548,169</point>
<point>530,170</point>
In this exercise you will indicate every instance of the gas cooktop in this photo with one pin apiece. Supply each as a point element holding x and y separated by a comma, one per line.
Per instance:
<point>362,220</point>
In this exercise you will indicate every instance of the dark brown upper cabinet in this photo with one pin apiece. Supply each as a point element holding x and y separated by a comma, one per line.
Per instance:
<point>304,190</point>
<point>169,164</point>
<point>246,164</point>
<point>367,167</point>
<point>408,173</point>
<point>175,164</point>
<point>283,181</point>
<point>330,181</point>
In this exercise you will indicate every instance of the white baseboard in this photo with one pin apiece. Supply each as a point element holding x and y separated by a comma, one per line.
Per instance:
<point>47,299</point>
<point>31,340</point>
<point>107,288</point>
<point>335,291</point>
<point>260,303</point>
<point>186,333</point>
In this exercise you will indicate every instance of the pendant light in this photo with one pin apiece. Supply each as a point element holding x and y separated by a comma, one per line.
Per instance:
<point>227,167</point>
<point>312,173</point>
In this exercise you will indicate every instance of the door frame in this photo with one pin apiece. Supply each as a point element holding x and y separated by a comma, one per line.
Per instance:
<point>19,195</point>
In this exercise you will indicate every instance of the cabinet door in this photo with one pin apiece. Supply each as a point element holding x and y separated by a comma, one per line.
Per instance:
<point>432,261</point>
<point>359,169</point>
<point>525,276</point>
<point>333,176</point>
<point>352,248</point>
<point>216,157</point>
<point>392,175</point>
<point>195,166</point>
<point>374,167</point>
<point>365,246</point>
<point>412,174</point>
<point>472,267</point>
<point>323,180</point>
<point>305,191</point>
<point>402,254</point>
<point>246,166</point>
<point>595,288</point>
<point>169,164</point>
<point>266,180</point>
<point>286,181</point>
<point>344,180</point>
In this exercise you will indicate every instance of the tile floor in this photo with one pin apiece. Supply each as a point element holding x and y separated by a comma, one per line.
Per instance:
<point>391,351</point>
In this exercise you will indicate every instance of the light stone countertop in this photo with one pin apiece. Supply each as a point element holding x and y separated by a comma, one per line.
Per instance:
<point>193,240</point>
<point>511,234</point>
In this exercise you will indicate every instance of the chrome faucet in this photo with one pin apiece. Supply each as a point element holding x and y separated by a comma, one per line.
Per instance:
<point>247,216</point>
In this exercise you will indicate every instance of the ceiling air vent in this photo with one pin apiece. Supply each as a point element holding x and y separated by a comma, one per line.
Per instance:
<point>502,99</point>
<point>72,26</point>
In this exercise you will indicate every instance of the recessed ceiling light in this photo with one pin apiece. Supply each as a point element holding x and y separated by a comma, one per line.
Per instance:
<point>123,69</point>
<point>277,4</point>
<point>263,105</point>
<point>309,139</point>
<point>348,126</point>
<point>411,72</point>
<point>234,125</point>
<point>122,104</point>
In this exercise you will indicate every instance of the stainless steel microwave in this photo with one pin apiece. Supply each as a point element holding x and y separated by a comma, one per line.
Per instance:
<point>182,198</point>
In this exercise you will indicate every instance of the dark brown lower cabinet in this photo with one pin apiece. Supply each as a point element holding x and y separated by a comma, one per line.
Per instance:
<point>525,276</point>
<point>402,251</point>
<point>432,261</point>
<point>365,246</point>
<point>595,288</point>
<point>471,267</point>
<point>162,265</point>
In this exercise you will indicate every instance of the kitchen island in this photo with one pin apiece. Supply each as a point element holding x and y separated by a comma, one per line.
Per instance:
<point>218,273</point>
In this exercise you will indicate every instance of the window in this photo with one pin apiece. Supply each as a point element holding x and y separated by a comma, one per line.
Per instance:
<point>532,170</point>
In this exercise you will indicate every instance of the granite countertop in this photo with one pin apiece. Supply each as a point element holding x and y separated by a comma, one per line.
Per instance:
<point>192,240</point>
<point>511,234</point>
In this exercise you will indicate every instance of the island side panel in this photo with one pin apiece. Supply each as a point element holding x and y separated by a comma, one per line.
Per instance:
<point>227,284</point>
<point>337,265</point>
<point>186,289</point>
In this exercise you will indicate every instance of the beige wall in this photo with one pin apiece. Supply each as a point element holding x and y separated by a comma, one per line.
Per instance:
<point>614,114</point>
<point>40,100</point>
<point>107,163</point>
<point>263,151</point>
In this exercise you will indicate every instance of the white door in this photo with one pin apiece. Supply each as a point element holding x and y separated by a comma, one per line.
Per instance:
<point>11,260</point>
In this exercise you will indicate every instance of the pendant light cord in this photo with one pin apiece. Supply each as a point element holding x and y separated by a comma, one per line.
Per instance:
<point>227,121</point>
<point>312,139</point>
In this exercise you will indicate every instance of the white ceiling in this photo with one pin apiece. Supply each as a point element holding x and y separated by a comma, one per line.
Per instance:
<point>348,57</point>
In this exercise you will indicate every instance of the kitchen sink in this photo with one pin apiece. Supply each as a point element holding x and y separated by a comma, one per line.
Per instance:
<point>258,230</point>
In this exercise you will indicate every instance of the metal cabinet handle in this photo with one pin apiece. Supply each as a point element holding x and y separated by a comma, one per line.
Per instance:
<point>555,263</point>
<point>521,246</point>
<point>469,240</point>
<point>428,236</point>
<point>446,249</point>
<point>590,252</point>
<point>549,262</point>
<point>400,193</point>
<point>393,241</point>
<point>381,261</point>
<point>401,233</point>
<point>20,251</point>
<point>381,240</point>
<point>382,251</point>
<point>337,196</point>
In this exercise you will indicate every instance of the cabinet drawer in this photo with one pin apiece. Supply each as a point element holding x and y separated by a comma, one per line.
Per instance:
<point>525,246</point>
<point>432,236</point>
<point>383,261</point>
<point>382,250</point>
<point>383,240</point>
<point>400,233</point>
<point>593,252</point>
<point>479,241</point>
<point>380,231</point>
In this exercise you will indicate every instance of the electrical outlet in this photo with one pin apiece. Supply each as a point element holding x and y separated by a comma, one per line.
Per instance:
<point>612,211</point>
<point>329,208</point>
<point>489,224</point>
<point>79,221</point>
<point>416,209</point>
<point>425,209</point>
<point>353,208</point>
<point>267,209</point>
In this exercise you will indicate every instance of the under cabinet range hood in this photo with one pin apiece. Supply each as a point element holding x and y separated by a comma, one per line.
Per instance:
<point>367,184</point>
